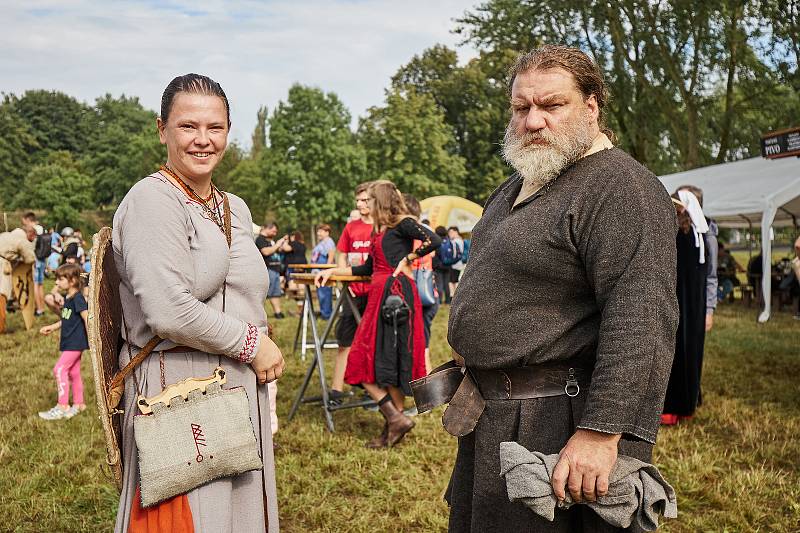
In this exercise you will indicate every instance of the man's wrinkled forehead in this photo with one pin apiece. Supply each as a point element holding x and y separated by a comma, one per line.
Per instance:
<point>544,84</point>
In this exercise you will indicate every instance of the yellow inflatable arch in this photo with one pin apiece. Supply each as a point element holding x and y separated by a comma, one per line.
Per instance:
<point>451,211</point>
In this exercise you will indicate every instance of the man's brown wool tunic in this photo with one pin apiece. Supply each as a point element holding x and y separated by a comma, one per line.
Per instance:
<point>586,265</point>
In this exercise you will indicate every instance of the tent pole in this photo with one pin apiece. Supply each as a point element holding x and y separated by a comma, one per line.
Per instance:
<point>749,239</point>
<point>766,261</point>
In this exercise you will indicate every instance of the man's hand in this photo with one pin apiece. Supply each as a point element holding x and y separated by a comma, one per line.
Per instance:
<point>709,321</point>
<point>268,363</point>
<point>584,465</point>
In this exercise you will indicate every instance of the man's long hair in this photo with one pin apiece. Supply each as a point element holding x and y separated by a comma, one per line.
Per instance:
<point>588,78</point>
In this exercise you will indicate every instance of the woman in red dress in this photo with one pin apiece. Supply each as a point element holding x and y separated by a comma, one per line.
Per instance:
<point>389,346</point>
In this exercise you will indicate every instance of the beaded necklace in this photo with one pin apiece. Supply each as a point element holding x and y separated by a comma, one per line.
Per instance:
<point>214,213</point>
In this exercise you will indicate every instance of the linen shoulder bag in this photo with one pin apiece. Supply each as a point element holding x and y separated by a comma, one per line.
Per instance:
<point>194,431</point>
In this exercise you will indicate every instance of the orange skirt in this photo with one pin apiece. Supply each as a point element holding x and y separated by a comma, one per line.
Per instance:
<point>169,516</point>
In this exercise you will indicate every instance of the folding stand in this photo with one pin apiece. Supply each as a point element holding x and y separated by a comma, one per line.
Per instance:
<point>301,334</point>
<point>319,342</point>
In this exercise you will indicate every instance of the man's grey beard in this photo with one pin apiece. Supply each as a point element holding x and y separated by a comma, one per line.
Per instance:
<point>540,164</point>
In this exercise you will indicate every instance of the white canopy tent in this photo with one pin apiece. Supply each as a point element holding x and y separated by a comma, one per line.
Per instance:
<point>746,193</point>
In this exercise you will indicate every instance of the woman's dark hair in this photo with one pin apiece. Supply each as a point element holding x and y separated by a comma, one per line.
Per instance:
<point>441,231</point>
<point>193,84</point>
<point>298,236</point>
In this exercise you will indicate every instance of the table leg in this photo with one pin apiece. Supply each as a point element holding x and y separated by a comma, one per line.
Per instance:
<point>352,304</point>
<point>299,328</point>
<point>310,372</point>
<point>321,366</point>
<point>344,298</point>
<point>304,323</point>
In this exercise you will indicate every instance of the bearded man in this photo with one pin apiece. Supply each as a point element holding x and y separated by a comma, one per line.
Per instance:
<point>566,316</point>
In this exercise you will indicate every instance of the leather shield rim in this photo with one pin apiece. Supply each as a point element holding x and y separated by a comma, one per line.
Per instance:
<point>100,371</point>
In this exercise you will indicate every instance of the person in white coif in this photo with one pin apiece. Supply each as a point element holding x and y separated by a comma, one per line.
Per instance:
<point>699,224</point>
<point>705,232</point>
<point>696,247</point>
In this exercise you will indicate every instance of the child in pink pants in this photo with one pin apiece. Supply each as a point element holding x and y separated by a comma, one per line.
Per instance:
<point>73,341</point>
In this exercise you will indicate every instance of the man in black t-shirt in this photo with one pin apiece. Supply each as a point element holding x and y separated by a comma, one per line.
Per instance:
<point>271,251</point>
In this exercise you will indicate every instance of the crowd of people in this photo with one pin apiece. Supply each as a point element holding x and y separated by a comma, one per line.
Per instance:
<point>60,255</point>
<point>563,310</point>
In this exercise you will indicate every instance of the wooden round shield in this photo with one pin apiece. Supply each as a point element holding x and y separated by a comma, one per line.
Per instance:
<point>103,328</point>
<point>22,289</point>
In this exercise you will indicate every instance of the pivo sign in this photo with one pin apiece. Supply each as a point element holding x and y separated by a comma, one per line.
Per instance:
<point>783,143</point>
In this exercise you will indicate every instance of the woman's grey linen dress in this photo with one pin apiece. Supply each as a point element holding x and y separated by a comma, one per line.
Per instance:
<point>172,260</point>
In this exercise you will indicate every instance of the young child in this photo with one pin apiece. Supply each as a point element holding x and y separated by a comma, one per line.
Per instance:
<point>73,341</point>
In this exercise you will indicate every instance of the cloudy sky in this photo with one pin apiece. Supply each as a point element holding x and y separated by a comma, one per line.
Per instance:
<point>256,50</point>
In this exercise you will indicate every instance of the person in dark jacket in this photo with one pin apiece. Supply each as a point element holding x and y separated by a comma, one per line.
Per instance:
<point>566,316</point>
<point>441,272</point>
<point>296,257</point>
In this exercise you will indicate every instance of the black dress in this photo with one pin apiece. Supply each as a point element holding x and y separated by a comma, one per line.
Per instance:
<point>683,391</point>
<point>298,254</point>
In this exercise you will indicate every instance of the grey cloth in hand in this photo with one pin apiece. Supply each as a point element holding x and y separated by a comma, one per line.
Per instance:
<point>637,493</point>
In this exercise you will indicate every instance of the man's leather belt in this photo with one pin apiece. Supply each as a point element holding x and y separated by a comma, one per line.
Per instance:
<point>530,382</point>
<point>466,390</point>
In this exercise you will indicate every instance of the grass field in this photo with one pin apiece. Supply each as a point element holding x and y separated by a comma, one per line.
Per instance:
<point>734,465</point>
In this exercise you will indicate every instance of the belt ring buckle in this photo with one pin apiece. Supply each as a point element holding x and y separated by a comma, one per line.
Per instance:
<point>572,388</point>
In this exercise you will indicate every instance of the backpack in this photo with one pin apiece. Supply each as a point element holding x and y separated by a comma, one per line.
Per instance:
<point>42,247</point>
<point>449,253</point>
<point>467,245</point>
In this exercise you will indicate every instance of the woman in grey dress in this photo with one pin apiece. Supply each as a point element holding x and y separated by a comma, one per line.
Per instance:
<point>174,260</point>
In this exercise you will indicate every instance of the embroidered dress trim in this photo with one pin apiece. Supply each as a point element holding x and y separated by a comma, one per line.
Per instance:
<point>248,352</point>
<point>205,211</point>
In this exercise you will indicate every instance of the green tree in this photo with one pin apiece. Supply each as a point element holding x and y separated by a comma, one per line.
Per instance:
<point>222,173</point>
<point>247,181</point>
<point>784,19</point>
<point>17,150</point>
<point>143,155</point>
<point>259,137</point>
<point>475,106</point>
<point>57,121</point>
<point>57,186</point>
<point>680,73</point>
<point>313,161</point>
<point>114,157</point>
<point>408,142</point>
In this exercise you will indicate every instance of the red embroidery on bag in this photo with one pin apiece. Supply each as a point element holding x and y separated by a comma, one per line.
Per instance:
<point>199,440</point>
